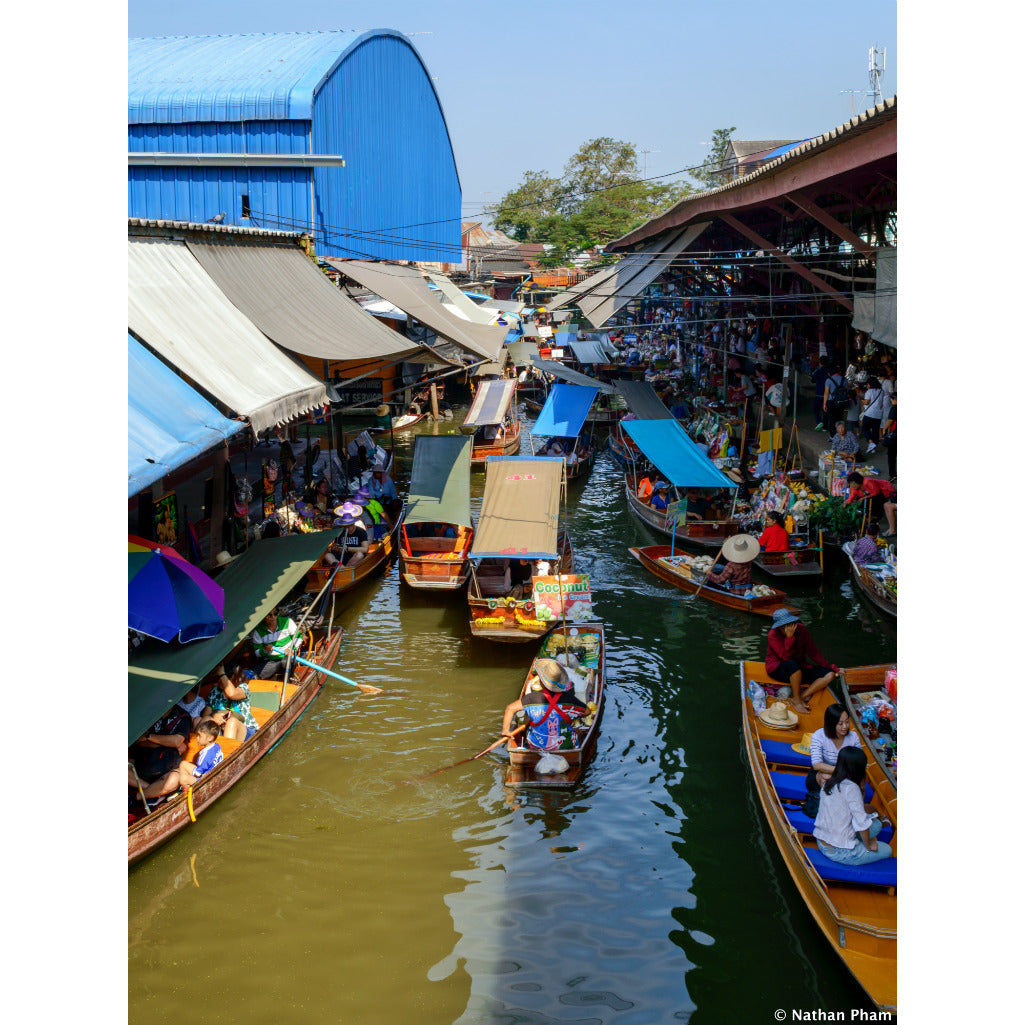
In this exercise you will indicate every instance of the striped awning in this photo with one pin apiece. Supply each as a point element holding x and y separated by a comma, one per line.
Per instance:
<point>491,403</point>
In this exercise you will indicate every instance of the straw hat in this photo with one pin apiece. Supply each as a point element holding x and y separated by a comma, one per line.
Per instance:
<point>778,716</point>
<point>382,410</point>
<point>804,748</point>
<point>740,548</point>
<point>553,676</point>
<point>223,558</point>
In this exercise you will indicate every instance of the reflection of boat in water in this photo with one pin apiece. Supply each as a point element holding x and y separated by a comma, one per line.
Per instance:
<point>854,906</point>
<point>586,642</point>
<point>439,497</point>
<point>158,677</point>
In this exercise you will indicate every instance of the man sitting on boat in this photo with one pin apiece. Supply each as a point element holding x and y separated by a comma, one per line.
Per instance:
<point>738,551</point>
<point>271,643</point>
<point>865,549</point>
<point>549,705</point>
<point>382,487</point>
<point>354,539</point>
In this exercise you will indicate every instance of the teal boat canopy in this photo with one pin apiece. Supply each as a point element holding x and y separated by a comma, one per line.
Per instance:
<point>253,584</point>
<point>439,487</point>
<point>677,458</point>
<point>565,411</point>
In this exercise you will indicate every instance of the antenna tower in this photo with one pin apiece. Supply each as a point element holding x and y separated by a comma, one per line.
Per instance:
<point>876,67</point>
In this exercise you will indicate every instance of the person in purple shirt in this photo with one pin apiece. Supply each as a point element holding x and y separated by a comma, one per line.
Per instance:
<point>865,549</point>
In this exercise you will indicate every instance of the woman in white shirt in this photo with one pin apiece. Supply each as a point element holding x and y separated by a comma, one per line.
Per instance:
<point>845,832</point>
<point>827,742</point>
<point>872,411</point>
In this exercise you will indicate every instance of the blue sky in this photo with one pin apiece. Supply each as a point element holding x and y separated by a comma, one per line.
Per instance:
<point>524,84</point>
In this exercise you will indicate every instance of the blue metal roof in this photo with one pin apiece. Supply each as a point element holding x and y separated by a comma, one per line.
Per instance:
<point>169,423</point>
<point>269,76</point>
<point>677,458</point>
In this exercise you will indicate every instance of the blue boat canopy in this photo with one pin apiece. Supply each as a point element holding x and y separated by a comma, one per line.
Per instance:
<point>169,422</point>
<point>565,411</point>
<point>677,458</point>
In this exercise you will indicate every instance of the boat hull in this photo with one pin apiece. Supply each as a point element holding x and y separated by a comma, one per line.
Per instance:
<point>435,563</point>
<point>859,922</point>
<point>172,817</point>
<point>345,579</point>
<point>650,557</point>
<point>702,535</point>
<point>797,562</point>
<point>871,588</point>
<point>509,446</point>
<point>522,760</point>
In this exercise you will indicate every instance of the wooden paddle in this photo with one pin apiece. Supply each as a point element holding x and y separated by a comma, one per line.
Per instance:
<point>691,597</point>
<point>479,754</point>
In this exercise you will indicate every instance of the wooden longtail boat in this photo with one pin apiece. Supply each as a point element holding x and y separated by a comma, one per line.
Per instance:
<point>507,445</point>
<point>587,643</point>
<point>492,407</point>
<point>377,557</point>
<point>657,559</point>
<point>400,423</point>
<point>871,585</point>
<point>439,496</point>
<point>856,908</point>
<point>497,616</point>
<point>561,420</point>
<point>253,584</point>
<point>701,534</point>
<point>795,562</point>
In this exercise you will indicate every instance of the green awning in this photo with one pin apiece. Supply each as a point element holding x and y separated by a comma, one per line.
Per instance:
<point>439,489</point>
<point>253,584</point>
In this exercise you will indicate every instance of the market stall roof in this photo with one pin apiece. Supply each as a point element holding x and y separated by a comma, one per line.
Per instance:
<point>169,423</point>
<point>643,402</point>
<point>280,289</point>
<point>634,275</point>
<point>677,458</point>
<point>407,289</point>
<point>491,403</point>
<point>557,369</point>
<point>590,352</point>
<point>483,369</point>
<point>254,582</point>
<point>506,305</point>
<point>564,411</point>
<point>461,301</point>
<point>519,515</point>
<point>530,329</point>
<point>521,353</point>
<point>175,307</point>
<point>439,487</point>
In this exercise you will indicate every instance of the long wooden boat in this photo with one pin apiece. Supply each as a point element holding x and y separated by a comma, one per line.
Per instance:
<point>345,579</point>
<point>658,559</point>
<point>587,643</point>
<point>871,585</point>
<point>508,445</point>
<point>582,467</point>
<point>435,563</point>
<point>623,450</point>
<point>855,907</point>
<point>400,423</point>
<point>795,562</point>
<point>496,616</point>
<point>700,534</point>
<point>171,817</point>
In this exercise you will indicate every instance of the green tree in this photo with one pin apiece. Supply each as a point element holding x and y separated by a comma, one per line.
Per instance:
<point>599,164</point>
<point>521,212</point>
<point>708,173</point>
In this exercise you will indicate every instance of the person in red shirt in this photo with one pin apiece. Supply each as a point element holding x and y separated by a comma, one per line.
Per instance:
<point>877,492</point>
<point>775,537</point>
<point>793,658</point>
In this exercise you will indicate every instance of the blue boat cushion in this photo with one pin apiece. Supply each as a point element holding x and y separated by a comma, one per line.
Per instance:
<point>878,873</point>
<point>803,824</point>
<point>783,754</point>
<point>790,786</point>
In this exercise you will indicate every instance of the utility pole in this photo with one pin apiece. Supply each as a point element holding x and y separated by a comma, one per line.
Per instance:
<point>876,67</point>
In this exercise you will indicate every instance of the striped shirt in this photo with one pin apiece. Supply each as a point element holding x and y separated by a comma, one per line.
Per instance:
<point>281,639</point>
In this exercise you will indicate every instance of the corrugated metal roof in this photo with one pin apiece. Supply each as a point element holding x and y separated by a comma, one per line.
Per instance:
<point>267,76</point>
<point>151,225</point>
<point>858,125</point>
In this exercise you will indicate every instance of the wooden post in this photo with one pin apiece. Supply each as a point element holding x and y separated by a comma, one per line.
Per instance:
<point>220,461</point>
<point>434,400</point>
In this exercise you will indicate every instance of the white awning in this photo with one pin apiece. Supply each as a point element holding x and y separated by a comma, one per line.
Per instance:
<point>465,307</point>
<point>407,289</point>
<point>176,309</point>
<point>287,297</point>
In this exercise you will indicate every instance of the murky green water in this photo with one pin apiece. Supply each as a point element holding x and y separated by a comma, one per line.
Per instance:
<point>328,888</point>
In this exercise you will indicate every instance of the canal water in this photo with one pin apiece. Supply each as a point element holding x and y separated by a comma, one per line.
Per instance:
<point>333,885</point>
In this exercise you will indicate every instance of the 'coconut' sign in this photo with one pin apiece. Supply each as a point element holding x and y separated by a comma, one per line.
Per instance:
<point>571,592</point>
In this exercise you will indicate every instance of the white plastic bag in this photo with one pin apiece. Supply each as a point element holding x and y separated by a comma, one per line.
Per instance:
<point>757,695</point>
<point>549,764</point>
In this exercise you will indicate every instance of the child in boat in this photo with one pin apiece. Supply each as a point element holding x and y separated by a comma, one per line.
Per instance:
<point>550,709</point>
<point>210,754</point>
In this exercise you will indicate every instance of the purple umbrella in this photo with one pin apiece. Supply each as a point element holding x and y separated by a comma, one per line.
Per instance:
<point>168,596</point>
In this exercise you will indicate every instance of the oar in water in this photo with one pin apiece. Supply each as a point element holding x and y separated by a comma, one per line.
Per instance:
<point>479,754</point>
<point>365,687</point>
<point>691,597</point>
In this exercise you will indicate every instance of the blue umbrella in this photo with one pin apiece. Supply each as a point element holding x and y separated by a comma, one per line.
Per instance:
<point>169,597</point>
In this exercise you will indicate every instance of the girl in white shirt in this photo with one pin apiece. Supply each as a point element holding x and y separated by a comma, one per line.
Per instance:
<point>845,832</point>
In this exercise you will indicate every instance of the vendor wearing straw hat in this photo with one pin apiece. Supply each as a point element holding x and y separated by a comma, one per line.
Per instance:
<point>793,658</point>
<point>549,705</point>
<point>738,551</point>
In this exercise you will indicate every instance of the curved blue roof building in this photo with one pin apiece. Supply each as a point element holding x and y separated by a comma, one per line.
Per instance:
<point>336,133</point>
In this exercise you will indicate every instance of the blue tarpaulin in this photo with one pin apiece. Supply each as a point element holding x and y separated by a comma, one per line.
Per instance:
<point>677,458</point>
<point>169,423</point>
<point>565,411</point>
